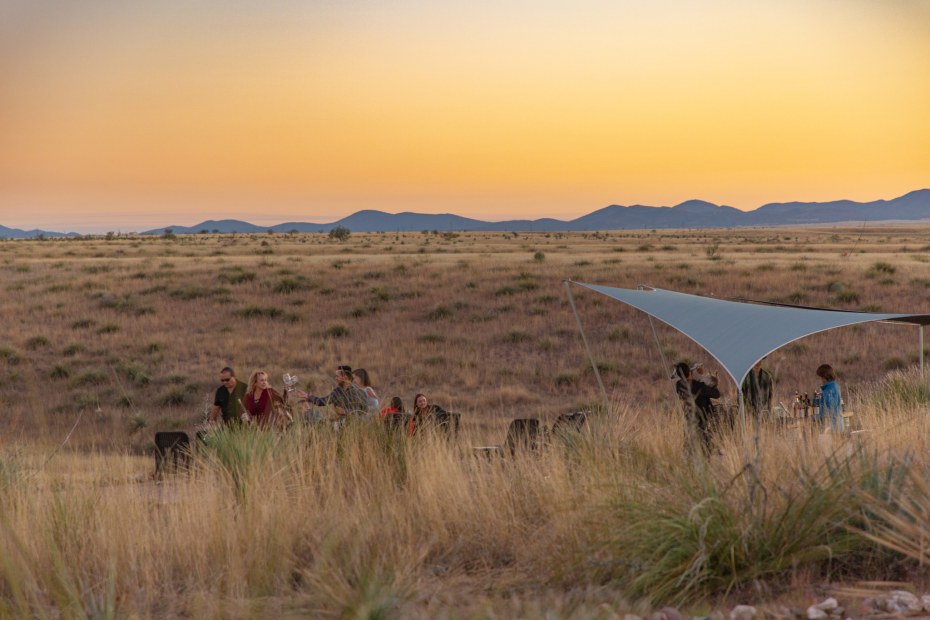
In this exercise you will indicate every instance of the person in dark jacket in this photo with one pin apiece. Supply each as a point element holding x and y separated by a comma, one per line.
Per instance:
<point>757,391</point>
<point>695,394</point>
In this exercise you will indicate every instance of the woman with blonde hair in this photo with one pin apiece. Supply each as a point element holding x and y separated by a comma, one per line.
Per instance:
<point>262,404</point>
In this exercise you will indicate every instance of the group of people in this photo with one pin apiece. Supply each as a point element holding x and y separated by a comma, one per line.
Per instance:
<point>257,403</point>
<point>696,389</point>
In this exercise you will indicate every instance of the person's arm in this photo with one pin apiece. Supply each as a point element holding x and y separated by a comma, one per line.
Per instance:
<point>217,401</point>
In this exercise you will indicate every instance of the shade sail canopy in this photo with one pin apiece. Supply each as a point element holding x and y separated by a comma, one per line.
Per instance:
<point>739,334</point>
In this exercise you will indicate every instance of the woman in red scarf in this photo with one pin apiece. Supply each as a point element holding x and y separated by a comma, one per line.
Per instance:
<point>260,399</point>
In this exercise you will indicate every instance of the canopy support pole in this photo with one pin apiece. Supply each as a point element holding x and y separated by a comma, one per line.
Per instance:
<point>921,354</point>
<point>587,348</point>
<point>742,408</point>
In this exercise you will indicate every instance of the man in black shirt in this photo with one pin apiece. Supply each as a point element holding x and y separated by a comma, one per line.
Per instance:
<point>228,399</point>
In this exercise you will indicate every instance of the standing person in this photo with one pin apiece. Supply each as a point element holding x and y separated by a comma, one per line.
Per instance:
<point>261,400</point>
<point>363,381</point>
<point>695,395</point>
<point>228,398</point>
<point>831,402</point>
<point>757,390</point>
<point>347,398</point>
<point>423,413</point>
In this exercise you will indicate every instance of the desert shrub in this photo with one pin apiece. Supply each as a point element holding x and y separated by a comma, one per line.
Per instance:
<point>191,292</point>
<point>880,268</point>
<point>137,422</point>
<point>123,303</point>
<point>439,313</point>
<point>72,349</point>
<point>539,257</point>
<point>798,267</point>
<point>235,275</point>
<point>177,395</point>
<point>381,294</point>
<point>36,342</point>
<point>337,331</point>
<point>340,233</point>
<point>95,269</point>
<point>82,324</point>
<point>59,371</point>
<point>288,285</point>
<point>359,311</point>
<point>620,334</point>
<point>516,336</point>
<point>136,373</point>
<point>9,355</point>
<point>270,312</point>
<point>109,328</point>
<point>894,363</point>
<point>565,380</point>
<point>89,377</point>
<point>847,297</point>
<point>505,291</point>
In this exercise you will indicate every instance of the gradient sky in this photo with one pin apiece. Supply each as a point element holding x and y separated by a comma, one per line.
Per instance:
<point>121,115</point>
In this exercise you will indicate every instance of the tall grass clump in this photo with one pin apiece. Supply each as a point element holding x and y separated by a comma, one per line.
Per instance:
<point>687,533</point>
<point>899,389</point>
<point>241,454</point>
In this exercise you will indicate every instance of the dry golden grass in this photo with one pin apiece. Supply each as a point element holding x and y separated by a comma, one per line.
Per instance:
<point>138,327</point>
<point>129,333</point>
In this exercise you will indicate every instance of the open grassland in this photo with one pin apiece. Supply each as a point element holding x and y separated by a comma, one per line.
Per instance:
<point>117,338</point>
<point>133,330</point>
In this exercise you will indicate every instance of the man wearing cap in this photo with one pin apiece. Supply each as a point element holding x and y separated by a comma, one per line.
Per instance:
<point>347,398</point>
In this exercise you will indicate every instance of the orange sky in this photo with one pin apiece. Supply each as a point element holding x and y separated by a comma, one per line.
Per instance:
<point>126,116</point>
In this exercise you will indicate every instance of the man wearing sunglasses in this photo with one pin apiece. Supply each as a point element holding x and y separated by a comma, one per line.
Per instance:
<point>228,399</point>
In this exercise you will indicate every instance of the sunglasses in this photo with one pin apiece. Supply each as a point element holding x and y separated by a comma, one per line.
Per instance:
<point>226,380</point>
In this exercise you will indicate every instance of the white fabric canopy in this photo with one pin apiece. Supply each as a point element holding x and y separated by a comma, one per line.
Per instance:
<point>739,334</point>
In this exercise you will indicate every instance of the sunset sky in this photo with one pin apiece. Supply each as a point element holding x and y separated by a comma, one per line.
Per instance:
<point>121,115</point>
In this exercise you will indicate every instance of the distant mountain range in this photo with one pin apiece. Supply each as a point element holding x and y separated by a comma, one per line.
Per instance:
<point>691,214</point>
<point>17,233</point>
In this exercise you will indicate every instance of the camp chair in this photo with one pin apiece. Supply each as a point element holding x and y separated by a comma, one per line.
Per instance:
<point>523,434</point>
<point>171,447</point>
